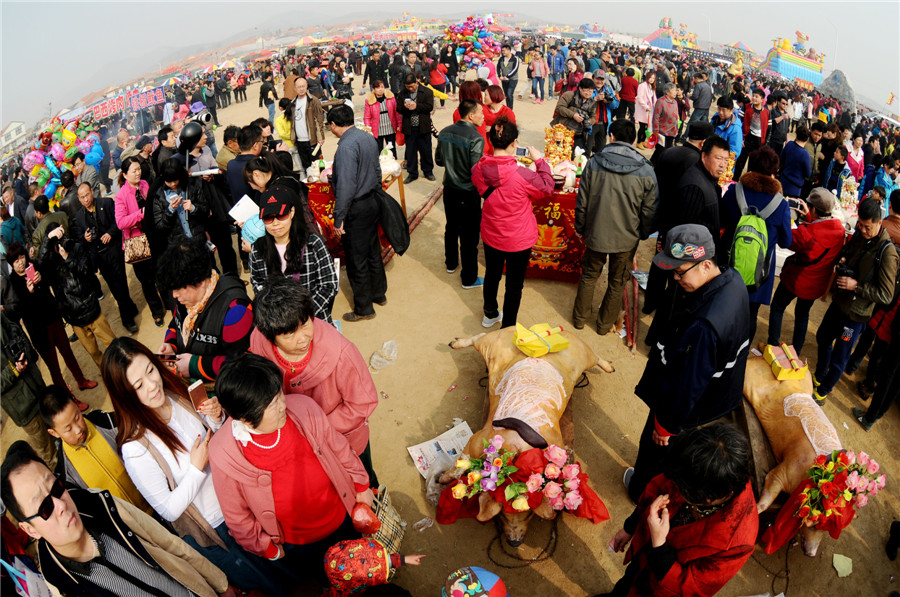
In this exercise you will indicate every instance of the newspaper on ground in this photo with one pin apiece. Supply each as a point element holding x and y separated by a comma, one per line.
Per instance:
<point>450,443</point>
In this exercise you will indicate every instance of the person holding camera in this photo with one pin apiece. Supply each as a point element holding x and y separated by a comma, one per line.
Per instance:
<point>415,103</point>
<point>865,276</point>
<point>575,110</point>
<point>23,385</point>
<point>95,222</point>
<point>67,267</point>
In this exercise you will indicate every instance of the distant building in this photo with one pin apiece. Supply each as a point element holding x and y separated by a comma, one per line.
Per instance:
<point>13,134</point>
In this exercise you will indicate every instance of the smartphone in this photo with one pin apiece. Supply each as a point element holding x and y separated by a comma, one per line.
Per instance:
<point>167,358</point>
<point>197,393</point>
<point>794,204</point>
<point>522,151</point>
<point>30,273</point>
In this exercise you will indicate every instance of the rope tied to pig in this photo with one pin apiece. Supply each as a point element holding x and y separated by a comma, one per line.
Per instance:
<point>545,554</point>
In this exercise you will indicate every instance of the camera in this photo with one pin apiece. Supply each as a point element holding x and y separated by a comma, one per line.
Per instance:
<point>92,230</point>
<point>203,116</point>
<point>845,271</point>
<point>16,347</point>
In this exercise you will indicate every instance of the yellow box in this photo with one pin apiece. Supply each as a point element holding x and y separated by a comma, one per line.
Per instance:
<point>539,339</point>
<point>785,362</point>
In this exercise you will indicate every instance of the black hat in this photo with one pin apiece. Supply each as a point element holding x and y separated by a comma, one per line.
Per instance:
<point>144,140</point>
<point>700,130</point>
<point>687,243</point>
<point>276,202</point>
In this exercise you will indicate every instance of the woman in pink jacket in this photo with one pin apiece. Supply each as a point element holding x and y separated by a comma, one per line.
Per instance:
<point>539,70</point>
<point>131,204</point>
<point>644,105</point>
<point>508,226</point>
<point>380,115</point>
<point>286,479</point>
<point>316,361</point>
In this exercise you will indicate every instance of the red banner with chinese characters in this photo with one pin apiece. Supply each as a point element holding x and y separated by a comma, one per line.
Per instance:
<point>558,252</point>
<point>108,107</point>
<point>321,203</point>
<point>138,100</point>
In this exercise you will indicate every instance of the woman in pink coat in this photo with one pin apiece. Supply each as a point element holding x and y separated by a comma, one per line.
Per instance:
<point>380,115</point>
<point>133,211</point>
<point>286,479</point>
<point>508,226</point>
<point>317,361</point>
<point>539,70</point>
<point>644,105</point>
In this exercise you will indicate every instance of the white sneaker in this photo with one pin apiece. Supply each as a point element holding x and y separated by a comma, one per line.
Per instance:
<point>488,322</point>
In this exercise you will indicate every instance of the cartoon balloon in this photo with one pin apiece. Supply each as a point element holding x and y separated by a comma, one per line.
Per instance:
<point>68,138</point>
<point>48,161</point>
<point>93,158</point>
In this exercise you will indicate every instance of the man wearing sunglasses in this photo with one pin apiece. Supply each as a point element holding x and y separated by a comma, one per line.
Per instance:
<point>92,544</point>
<point>695,372</point>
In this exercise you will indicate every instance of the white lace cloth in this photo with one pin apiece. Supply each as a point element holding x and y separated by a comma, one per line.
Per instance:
<point>525,388</point>
<point>819,430</point>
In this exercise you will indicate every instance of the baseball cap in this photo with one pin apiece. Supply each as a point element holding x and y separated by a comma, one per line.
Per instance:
<point>599,74</point>
<point>143,141</point>
<point>687,243</point>
<point>7,187</point>
<point>276,202</point>
<point>700,130</point>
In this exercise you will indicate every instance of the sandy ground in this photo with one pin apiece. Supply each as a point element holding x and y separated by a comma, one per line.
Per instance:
<point>427,307</point>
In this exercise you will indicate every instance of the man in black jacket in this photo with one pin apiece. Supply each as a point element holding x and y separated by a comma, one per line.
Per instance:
<point>695,372</point>
<point>67,268</point>
<point>95,222</point>
<point>460,146</point>
<point>415,103</point>
<point>508,73</point>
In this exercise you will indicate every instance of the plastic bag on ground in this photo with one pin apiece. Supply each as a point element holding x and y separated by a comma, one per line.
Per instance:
<point>384,356</point>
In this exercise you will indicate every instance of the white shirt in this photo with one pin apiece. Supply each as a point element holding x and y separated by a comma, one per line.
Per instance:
<point>192,486</point>
<point>300,119</point>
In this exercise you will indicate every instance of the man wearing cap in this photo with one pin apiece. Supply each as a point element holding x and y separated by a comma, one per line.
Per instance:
<point>144,148</point>
<point>695,371</point>
<point>614,211</point>
<point>701,98</point>
<point>669,168</point>
<point>605,104</point>
<point>356,175</point>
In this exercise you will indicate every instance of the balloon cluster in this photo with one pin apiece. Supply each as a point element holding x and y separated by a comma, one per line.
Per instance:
<point>53,151</point>
<point>475,43</point>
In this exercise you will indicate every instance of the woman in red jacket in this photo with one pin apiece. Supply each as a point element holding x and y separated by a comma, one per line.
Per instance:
<point>286,479</point>
<point>816,243</point>
<point>380,115</point>
<point>574,75</point>
<point>495,107</point>
<point>695,526</point>
<point>665,119</point>
<point>437,76</point>
<point>472,90</point>
<point>508,226</point>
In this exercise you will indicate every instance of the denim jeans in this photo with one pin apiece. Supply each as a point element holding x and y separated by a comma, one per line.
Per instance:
<point>537,84</point>
<point>551,83</point>
<point>509,88</point>
<point>271,109</point>
<point>836,336</point>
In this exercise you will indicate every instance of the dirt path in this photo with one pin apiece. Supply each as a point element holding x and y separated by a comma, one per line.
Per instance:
<point>427,308</point>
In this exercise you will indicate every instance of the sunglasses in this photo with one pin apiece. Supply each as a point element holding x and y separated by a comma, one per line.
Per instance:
<point>270,219</point>
<point>45,510</point>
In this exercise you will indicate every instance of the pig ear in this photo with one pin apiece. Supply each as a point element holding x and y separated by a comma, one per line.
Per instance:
<point>488,507</point>
<point>545,511</point>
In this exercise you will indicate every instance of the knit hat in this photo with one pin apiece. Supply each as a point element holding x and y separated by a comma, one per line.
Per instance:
<point>822,199</point>
<point>472,581</point>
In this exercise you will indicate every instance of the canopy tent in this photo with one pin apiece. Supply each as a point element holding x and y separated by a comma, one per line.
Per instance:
<point>739,45</point>
<point>229,64</point>
<point>306,40</point>
<point>208,69</point>
<point>173,81</point>
<point>340,40</point>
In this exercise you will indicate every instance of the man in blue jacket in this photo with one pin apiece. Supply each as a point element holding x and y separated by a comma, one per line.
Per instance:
<point>728,125</point>
<point>695,373</point>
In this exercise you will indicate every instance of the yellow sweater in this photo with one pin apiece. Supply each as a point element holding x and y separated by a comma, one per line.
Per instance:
<point>101,468</point>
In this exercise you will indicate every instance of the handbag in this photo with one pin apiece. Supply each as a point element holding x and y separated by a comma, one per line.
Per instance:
<point>393,526</point>
<point>400,138</point>
<point>393,222</point>
<point>137,248</point>
<point>558,87</point>
<point>652,137</point>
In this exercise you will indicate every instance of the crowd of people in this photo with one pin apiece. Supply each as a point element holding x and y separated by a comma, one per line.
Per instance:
<point>244,488</point>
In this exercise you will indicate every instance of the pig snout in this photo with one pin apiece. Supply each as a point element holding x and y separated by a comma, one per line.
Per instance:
<point>515,526</point>
<point>810,538</point>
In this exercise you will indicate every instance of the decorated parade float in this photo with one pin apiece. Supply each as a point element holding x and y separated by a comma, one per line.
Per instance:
<point>795,61</point>
<point>666,37</point>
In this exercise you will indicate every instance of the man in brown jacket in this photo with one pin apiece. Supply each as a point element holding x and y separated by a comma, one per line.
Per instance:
<point>93,544</point>
<point>308,124</point>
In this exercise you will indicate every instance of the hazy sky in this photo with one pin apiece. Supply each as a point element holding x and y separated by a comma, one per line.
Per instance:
<point>59,52</point>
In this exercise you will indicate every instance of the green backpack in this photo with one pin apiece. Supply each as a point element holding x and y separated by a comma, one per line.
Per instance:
<point>750,246</point>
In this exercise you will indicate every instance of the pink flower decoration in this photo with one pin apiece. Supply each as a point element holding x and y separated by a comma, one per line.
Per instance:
<point>497,442</point>
<point>572,484</point>
<point>863,459</point>
<point>853,481</point>
<point>882,481</point>
<point>488,484</point>
<point>556,455</point>
<point>551,471</point>
<point>552,489</point>
<point>861,500</point>
<point>872,467</point>
<point>572,500</point>
<point>571,471</point>
<point>872,487</point>
<point>851,456</point>
<point>535,482</point>
<point>557,503</point>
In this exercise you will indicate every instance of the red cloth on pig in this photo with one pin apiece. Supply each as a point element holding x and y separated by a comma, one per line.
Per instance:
<point>449,508</point>
<point>787,524</point>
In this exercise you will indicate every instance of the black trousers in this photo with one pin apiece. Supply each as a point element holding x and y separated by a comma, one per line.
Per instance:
<point>888,383</point>
<point>516,264</point>
<point>392,139</point>
<point>304,151</point>
<point>625,110</point>
<point>461,234</point>
<point>751,144</point>
<point>220,235</point>
<point>418,144</point>
<point>362,251</point>
<point>145,271</point>
<point>111,263</point>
